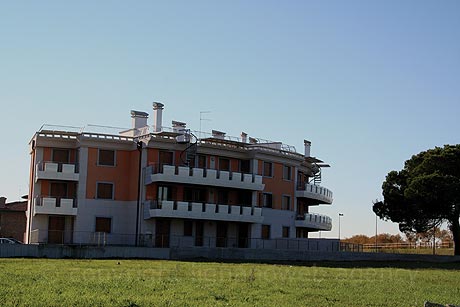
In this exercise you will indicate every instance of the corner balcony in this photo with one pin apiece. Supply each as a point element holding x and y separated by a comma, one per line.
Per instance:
<point>314,221</point>
<point>57,171</point>
<point>55,206</point>
<point>202,211</point>
<point>200,176</point>
<point>316,192</point>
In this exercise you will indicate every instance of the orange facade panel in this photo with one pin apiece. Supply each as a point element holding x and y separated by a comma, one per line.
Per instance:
<point>123,175</point>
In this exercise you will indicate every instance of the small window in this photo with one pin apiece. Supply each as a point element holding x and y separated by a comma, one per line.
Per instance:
<point>188,228</point>
<point>265,232</point>
<point>103,224</point>
<point>287,172</point>
<point>104,190</point>
<point>268,169</point>
<point>285,232</point>
<point>286,204</point>
<point>267,200</point>
<point>106,157</point>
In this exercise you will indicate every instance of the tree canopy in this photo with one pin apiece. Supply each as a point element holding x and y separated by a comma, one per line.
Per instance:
<point>425,193</point>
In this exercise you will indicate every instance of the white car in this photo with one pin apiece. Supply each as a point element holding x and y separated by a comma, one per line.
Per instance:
<point>9,241</point>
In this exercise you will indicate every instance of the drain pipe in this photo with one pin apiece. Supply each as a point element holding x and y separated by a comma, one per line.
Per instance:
<point>139,148</point>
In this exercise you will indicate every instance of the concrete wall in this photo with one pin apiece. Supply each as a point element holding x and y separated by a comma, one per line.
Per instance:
<point>230,254</point>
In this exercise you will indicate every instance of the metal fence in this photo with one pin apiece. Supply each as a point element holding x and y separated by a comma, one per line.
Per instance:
<point>166,241</point>
<point>409,248</point>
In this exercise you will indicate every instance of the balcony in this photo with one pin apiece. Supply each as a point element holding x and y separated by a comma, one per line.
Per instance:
<point>200,176</point>
<point>316,192</point>
<point>314,221</point>
<point>57,171</point>
<point>202,211</point>
<point>55,205</point>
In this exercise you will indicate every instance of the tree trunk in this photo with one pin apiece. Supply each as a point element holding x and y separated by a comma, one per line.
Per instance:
<point>455,227</point>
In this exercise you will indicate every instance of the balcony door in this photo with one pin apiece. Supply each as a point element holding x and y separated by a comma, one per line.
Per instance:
<point>58,190</point>
<point>162,231</point>
<point>199,233</point>
<point>243,235</point>
<point>166,158</point>
<point>56,228</point>
<point>221,234</point>
<point>61,155</point>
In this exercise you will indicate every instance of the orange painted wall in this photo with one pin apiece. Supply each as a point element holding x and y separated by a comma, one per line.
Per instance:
<point>124,175</point>
<point>277,185</point>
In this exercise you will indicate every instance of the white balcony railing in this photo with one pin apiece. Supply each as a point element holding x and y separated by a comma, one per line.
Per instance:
<point>200,176</point>
<point>191,210</point>
<point>314,221</point>
<point>54,205</point>
<point>316,192</point>
<point>57,171</point>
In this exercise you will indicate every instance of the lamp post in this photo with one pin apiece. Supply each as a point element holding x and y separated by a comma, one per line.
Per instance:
<point>376,232</point>
<point>340,215</point>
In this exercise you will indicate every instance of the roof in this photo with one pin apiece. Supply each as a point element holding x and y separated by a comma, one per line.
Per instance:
<point>17,206</point>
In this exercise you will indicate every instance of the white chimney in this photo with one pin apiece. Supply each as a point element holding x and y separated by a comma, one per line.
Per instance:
<point>244,137</point>
<point>157,116</point>
<point>138,119</point>
<point>307,145</point>
<point>218,134</point>
<point>178,127</point>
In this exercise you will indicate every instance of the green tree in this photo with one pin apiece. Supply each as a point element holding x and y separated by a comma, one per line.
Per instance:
<point>425,193</point>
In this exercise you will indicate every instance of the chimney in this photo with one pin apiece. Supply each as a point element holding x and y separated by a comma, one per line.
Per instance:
<point>178,127</point>
<point>307,145</point>
<point>157,116</point>
<point>218,134</point>
<point>138,119</point>
<point>252,140</point>
<point>244,137</point>
<point>2,201</point>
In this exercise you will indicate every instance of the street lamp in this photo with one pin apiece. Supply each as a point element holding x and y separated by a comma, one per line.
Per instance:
<point>340,214</point>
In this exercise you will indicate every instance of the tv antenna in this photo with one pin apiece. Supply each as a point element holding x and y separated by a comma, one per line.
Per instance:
<point>202,119</point>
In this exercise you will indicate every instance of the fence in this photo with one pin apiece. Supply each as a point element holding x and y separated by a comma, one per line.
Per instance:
<point>410,248</point>
<point>176,241</point>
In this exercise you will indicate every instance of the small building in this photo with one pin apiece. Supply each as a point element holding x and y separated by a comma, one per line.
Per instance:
<point>13,219</point>
<point>156,186</point>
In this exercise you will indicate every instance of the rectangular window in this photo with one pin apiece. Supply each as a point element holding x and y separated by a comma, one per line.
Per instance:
<point>224,164</point>
<point>268,169</point>
<point>104,190</point>
<point>103,224</point>
<point>267,200</point>
<point>285,232</point>
<point>188,228</point>
<point>265,232</point>
<point>106,157</point>
<point>286,204</point>
<point>287,172</point>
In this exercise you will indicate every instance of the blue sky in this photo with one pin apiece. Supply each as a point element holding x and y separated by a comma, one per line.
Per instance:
<point>368,83</point>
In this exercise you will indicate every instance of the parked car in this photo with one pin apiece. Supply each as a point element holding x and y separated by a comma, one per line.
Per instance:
<point>9,241</point>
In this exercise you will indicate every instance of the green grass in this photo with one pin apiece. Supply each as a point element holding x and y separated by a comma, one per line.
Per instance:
<point>44,282</point>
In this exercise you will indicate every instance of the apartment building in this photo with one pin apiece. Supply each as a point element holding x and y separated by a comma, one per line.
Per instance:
<point>156,186</point>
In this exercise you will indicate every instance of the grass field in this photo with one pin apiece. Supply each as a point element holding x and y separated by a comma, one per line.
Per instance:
<point>43,282</point>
